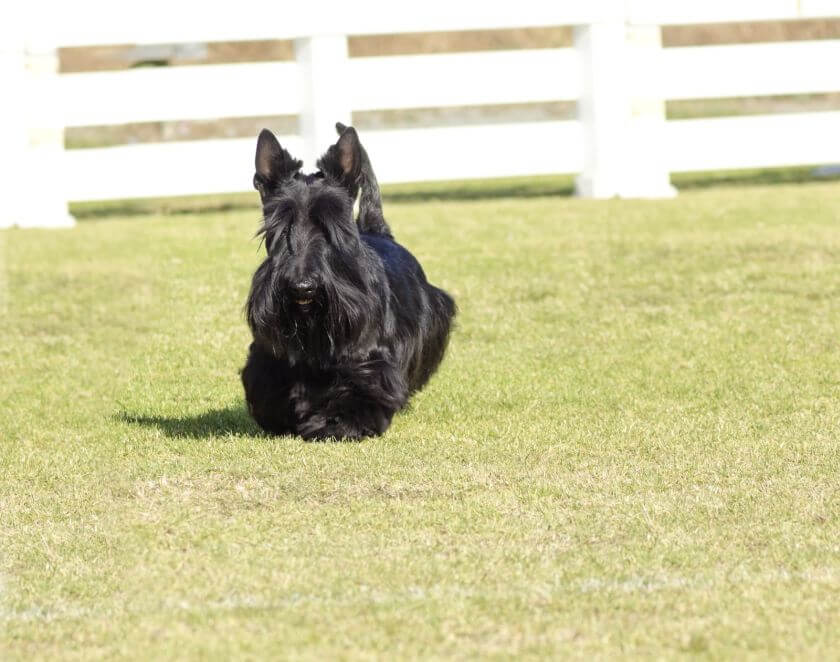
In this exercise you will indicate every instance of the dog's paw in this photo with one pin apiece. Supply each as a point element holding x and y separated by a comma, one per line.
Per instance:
<point>337,429</point>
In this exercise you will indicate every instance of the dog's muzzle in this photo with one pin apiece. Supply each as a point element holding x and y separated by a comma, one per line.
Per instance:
<point>303,292</point>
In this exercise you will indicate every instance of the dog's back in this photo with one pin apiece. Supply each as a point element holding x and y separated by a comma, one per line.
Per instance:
<point>420,312</point>
<point>415,303</point>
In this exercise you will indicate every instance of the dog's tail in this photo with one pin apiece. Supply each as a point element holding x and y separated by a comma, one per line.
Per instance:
<point>371,219</point>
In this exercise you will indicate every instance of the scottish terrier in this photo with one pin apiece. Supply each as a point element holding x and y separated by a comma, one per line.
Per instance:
<point>345,325</point>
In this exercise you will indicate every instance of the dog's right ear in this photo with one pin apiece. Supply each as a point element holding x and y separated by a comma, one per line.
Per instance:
<point>273,163</point>
<point>342,162</point>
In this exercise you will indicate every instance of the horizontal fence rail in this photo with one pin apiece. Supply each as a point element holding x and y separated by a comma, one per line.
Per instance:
<point>708,72</point>
<point>402,155</point>
<point>165,169</point>
<point>155,94</point>
<point>465,79</point>
<point>102,22</point>
<point>164,21</point>
<point>617,73</point>
<point>756,141</point>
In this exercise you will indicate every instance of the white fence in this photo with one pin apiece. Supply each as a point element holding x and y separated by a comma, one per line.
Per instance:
<point>617,72</point>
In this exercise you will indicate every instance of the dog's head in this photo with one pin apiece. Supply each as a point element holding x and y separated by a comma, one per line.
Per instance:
<point>313,293</point>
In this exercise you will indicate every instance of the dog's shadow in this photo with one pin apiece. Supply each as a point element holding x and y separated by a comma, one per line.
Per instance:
<point>232,420</point>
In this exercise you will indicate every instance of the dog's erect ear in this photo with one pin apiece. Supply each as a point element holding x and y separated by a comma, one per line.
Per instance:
<point>370,217</point>
<point>273,163</point>
<point>343,161</point>
<point>349,153</point>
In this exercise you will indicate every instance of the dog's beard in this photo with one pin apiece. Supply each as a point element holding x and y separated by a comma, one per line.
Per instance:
<point>292,330</point>
<point>317,329</point>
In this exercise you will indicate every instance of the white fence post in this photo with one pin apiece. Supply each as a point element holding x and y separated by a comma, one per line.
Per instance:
<point>646,175</point>
<point>326,98</point>
<point>14,136</point>
<point>622,130</point>
<point>46,202</point>
<point>32,137</point>
<point>602,107</point>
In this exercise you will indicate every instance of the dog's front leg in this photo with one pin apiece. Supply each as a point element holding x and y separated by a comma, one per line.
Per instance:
<point>360,401</point>
<point>267,381</point>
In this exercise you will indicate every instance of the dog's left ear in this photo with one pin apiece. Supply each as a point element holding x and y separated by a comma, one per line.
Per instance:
<point>343,161</point>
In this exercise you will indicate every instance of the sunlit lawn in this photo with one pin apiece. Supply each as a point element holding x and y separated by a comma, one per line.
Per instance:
<point>632,449</point>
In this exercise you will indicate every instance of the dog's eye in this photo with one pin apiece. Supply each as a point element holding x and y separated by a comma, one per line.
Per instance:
<point>274,238</point>
<point>269,236</point>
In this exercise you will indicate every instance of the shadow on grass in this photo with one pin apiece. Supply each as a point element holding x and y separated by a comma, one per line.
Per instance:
<point>486,189</point>
<point>173,206</point>
<point>752,177</point>
<point>212,423</point>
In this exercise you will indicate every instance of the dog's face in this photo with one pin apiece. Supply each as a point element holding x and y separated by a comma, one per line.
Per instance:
<point>308,293</point>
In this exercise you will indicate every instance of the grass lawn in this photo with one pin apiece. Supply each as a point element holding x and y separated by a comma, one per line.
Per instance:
<point>632,449</point>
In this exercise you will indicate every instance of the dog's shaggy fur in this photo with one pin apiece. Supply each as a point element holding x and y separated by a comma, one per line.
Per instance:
<point>346,327</point>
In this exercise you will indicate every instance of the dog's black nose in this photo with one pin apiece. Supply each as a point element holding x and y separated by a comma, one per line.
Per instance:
<point>303,291</point>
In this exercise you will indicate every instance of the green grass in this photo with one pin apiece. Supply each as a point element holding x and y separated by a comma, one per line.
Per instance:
<point>630,451</point>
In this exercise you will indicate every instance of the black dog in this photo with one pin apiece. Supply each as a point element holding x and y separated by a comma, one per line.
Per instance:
<point>345,325</point>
